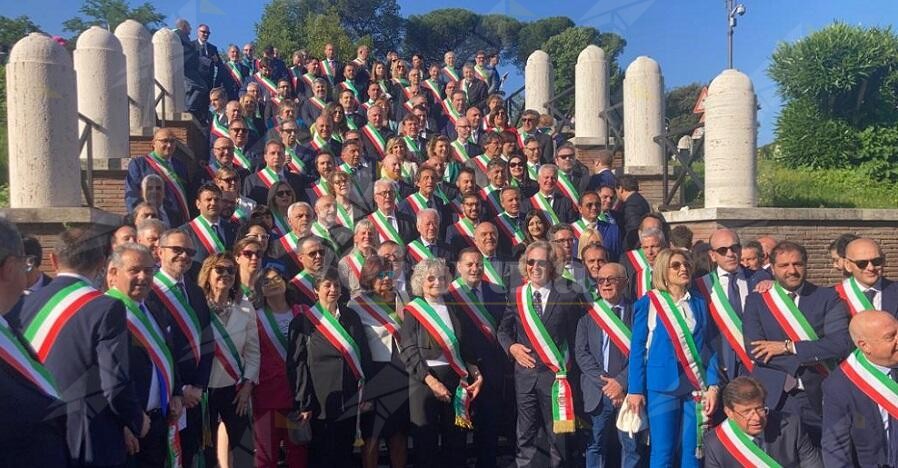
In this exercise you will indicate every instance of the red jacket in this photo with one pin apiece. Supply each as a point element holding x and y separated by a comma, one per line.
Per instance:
<point>273,391</point>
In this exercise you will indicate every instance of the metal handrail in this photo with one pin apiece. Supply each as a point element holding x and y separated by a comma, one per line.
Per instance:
<point>161,97</point>
<point>685,157</point>
<point>87,182</point>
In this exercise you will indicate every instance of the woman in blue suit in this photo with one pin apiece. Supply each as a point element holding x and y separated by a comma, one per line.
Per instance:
<point>657,378</point>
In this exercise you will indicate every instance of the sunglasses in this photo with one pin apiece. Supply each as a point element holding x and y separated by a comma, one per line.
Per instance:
<point>565,157</point>
<point>224,271</point>
<point>387,274</point>
<point>261,237</point>
<point>250,254</point>
<point>178,250</point>
<point>239,130</point>
<point>862,264</point>
<point>316,253</point>
<point>283,193</point>
<point>228,180</point>
<point>677,265</point>
<point>515,165</point>
<point>533,262</point>
<point>272,280</point>
<point>735,248</point>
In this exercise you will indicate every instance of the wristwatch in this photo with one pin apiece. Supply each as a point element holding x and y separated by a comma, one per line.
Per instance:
<point>789,347</point>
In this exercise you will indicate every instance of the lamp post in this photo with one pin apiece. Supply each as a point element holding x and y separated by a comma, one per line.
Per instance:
<point>733,10</point>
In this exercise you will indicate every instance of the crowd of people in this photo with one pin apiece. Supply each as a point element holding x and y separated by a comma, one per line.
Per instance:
<point>374,255</point>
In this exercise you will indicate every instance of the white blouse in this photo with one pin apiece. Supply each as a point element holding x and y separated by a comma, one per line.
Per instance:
<point>240,322</point>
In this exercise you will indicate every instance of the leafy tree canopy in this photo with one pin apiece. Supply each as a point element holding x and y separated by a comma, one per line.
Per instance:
<point>109,14</point>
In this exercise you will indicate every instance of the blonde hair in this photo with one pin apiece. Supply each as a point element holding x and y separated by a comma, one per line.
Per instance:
<point>590,236</point>
<point>662,264</point>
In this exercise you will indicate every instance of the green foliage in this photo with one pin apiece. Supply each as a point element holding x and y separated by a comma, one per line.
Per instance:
<point>679,103</point>
<point>13,29</point>
<point>378,20</point>
<point>808,137</point>
<point>782,186</point>
<point>878,147</point>
<point>321,29</point>
<point>533,35</point>
<point>438,31</point>
<point>109,14</point>
<point>281,26</point>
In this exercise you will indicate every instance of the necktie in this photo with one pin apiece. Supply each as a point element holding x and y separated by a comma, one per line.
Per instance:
<point>792,296</point>
<point>430,248</point>
<point>870,293</point>
<point>217,230</point>
<point>183,290</point>
<point>733,293</point>
<point>538,302</point>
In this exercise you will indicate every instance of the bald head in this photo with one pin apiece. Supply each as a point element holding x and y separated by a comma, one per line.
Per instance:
<point>875,333</point>
<point>767,243</point>
<point>727,241</point>
<point>864,261</point>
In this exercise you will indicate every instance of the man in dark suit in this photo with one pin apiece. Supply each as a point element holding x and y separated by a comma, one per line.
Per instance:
<point>638,262</point>
<point>462,147</point>
<point>511,221</point>
<point>772,436</point>
<point>602,351</point>
<point>285,249</point>
<point>209,232</point>
<point>183,305</point>
<point>35,278</point>
<point>172,172</point>
<point>608,225</point>
<point>33,429</point>
<point>790,361</point>
<point>573,176</point>
<point>429,243</point>
<point>866,288</point>
<point>335,236</point>
<point>483,304</point>
<point>362,172</point>
<point>88,357</point>
<point>860,425</point>
<point>233,74</point>
<point>603,175</point>
<point>256,185</point>
<point>475,89</point>
<point>245,154</point>
<point>544,302</point>
<point>556,207</point>
<point>391,224</point>
<point>427,180</point>
<point>311,108</point>
<point>330,66</point>
<point>209,60</point>
<point>528,129</point>
<point>375,135</point>
<point>633,207</point>
<point>562,238</point>
<point>460,234</point>
<point>497,269</point>
<point>195,86</point>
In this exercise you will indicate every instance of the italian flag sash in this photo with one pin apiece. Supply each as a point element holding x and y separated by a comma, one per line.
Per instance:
<point>877,385</point>
<point>343,217</point>
<point>218,128</point>
<point>643,271</point>
<point>790,318</point>
<point>490,195</point>
<point>270,87</point>
<point>14,353</point>
<point>290,243</point>
<point>602,313</point>
<point>566,187</point>
<point>295,164</point>
<point>268,177</point>
<point>728,321</point>
<point>481,72</point>
<point>413,146</point>
<point>451,74</point>
<point>418,250</point>
<point>474,309</point>
<point>522,137</point>
<point>481,162</point>
<point>318,142</point>
<point>444,336</point>
<point>385,228</point>
<point>269,328</point>
<point>460,151</point>
<point>318,102</point>
<point>240,215</point>
<point>741,446</point>
<point>490,274</point>
<point>203,230</point>
<point>181,311</point>
<point>512,230</point>
<point>241,160</point>
<point>533,170</point>
<point>329,71</point>
<point>281,227</point>
<point>680,336</point>
<point>580,226</point>
<point>350,86</point>
<point>850,292</point>
<point>309,79</point>
<point>374,313</point>
<point>550,355</point>
<point>450,111</point>
<point>355,260</point>
<point>172,180</point>
<point>306,284</point>
<point>319,230</point>
<point>540,202</point>
<point>416,202</point>
<point>295,75</point>
<point>376,139</point>
<point>431,85</point>
<point>409,93</point>
<point>234,70</point>
<point>321,188</point>
<point>43,331</point>
<point>465,227</point>
<point>225,350</point>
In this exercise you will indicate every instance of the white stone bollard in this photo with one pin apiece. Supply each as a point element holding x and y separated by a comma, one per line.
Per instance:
<point>643,113</point>
<point>538,81</point>
<point>137,45</point>
<point>44,170</point>
<point>731,142</point>
<point>102,92</point>
<point>591,94</point>
<point>168,68</point>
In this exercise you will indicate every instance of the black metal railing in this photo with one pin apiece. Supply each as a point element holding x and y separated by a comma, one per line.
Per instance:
<point>163,93</point>
<point>685,156</point>
<point>85,145</point>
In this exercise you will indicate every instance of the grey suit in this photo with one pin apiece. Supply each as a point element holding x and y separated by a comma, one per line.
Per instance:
<point>783,439</point>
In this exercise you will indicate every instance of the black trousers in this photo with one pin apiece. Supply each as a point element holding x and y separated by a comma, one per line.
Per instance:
<point>332,443</point>
<point>438,441</point>
<point>240,436</point>
<point>192,434</point>
<point>154,445</point>
<point>487,411</point>
<point>534,413</point>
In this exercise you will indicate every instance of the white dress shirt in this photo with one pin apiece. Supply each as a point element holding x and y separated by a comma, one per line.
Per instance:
<point>741,283</point>
<point>443,312</point>
<point>688,316</point>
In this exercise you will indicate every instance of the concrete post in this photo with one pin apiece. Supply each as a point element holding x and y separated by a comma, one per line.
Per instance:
<point>137,45</point>
<point>168,65</point>
<point>44,170</point>
<point>102,92</point>
<point>731,142</point>
<point>538,81</point>
<point>643,113</point>
<point>591,95</point>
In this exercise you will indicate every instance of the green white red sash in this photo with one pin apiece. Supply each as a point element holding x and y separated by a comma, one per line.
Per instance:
<point>218,128</point>
<point>376,139</point>
<point>741,446</point>
<point>643,270</point>
<point>445,337</point>
<point>795,325</point>
<point>566,187</point>
<point>319,230</point>
<point>344,218</point>
<point>474,309</point>
<point>270,87</point>
<point>349,85</point>
<point>309,79</point>
<point>181,311</point>
<point>460,151</point>
<point>451,74</point>
<point>680,336</point>
<point>490,274</point>
<point>172,179</point>
<point>329,71</point>
<point>234,70</point>
<point>281,226</point>
<point>603,314</point>
<point>241,160</point>
<point>481,162</point>
<point>465,227</point>
<point>449,111</point>
<point>413,146</point>
<point>540,202</point>
<point>225,350</point>
<point>533,170</point>
<point>14,353</point>
<point>418,250</point>
<point>550,355</point>
<point>318,142</point>
<point>385,228</point>
<point>850,292</point>
<point>306,284</point>
<point>409,94</point>
<point>269,328</point>
<point>522,137</point>
<point>318,102</point>
<point>296,73</point>
<point>210,240</point>
<point>373,313</point>
<point>512,230</point>
<point>580,226</point>
<point>355,260</point>
<point>240,215</point>
<point>490,195</point>
<point>431,85</point>
<point>876,384</point>
<point>416,202</point>
<point>268,176</point>
<point>728,321</point>
<point>295,164</point>
<point>481,72</point>
<point>321,188</point>
<point>290,243</point>
<point>43,331</point>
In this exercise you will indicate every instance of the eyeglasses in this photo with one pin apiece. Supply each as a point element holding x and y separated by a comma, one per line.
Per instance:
<point>862,264</point>
<point>564,157</point>
<point>229,180</point>
<point>526,119</point>
<point>759,412</point>
<point>261,237</point>
<point>533,262</point>
<point>283,193</point>
<point>386,274</point>
<point>677,265</point>
<point>609,280</point>
<point>250,254</point>
<point>566,240</point>
<point>177,250</point>
<point>288,130</point>
<point>513,165</point>
<point>224,271</point>
<point>239,130</point>
<point>388,193</point>
<point>316,253</point>
<point>272,280</point>
<point>735,248</point>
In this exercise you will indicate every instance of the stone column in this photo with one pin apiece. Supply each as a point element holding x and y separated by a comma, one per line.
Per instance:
<point>44,170</point>
<point>102,92</point>
<point>137,45</point>
<point>168,65</point>
<point>643,113</point>
<point>591,96</point>
<point>731,142</point>
<point>538,81</point>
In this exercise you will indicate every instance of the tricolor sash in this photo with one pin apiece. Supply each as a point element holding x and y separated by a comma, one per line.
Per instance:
<point>43,331</point>
<point>234,70</point>
<point>203,231</point>
<point>218,129</point>
<point>349,85</point>
<point>376,139</point>
<point>602,313</point>
<point>446,339</point>
<point>416,202</point>
<point>434,88</point>
<point>465,227</point>
<point>490,195</point>
<point>580,226</point>
<point>374,313</point>
<point>385,228</point>
<point>344,218</point>
<point>318,102</point>
<point>741,447</point>
<point>512,230</point>
<point>268,177</point>
<point>550,355</point>
<point>449,111</point>
<point>522,137</point>
<point>268,327</point>
<point>680,336</point>
<point>355,261</point>
<point>533,170</point>
<point>321,188</point>
<point>460,151</point>
<point>225,350</point>
<point>850,292</point>
<point>876,384</point>
<point>318,142</point>
<point>281,226</point>
<point>451,74</point>
<point>481,73</point>
<point>172,180</point>
<point>241,160</point>
<point>481,162</point>
<point>474,309</point>
<point>14,353</point>
<point>728,321</point>
<point>418,250</point>
<point>181,311</point>
<point>413,146</point>
<point>295,164</point>
<point>309,80</point>
<point>296,73</point>
<point>566,187</point>
<point>329,71</point>
<point>319,230</point>
<point>643,271</point>
<point>290,243</point>
<point>791,318</point>
<point>490,274</point>
<point>306,284</point>
<point>540,202</point>
<point>270,86</point>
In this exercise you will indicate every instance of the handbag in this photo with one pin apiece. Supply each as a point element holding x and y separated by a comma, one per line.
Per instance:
<point>299,432</point>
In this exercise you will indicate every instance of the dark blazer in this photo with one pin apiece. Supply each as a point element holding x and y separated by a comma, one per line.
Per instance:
<point>826,313</point>
<point>342,237</point>
<point>417,346</point>
<point>208,61</point>
<point>309,112</point>
<point>633,209</point>
<point>580,178</point>
<point>730,364</point>
<point>368,148</point>
<point>90,365</point>
<point>853,433</point>
<point>406,226</point>
<point>278,251</point>
<point>227,228</point>
<point>477,92</point>
<point>142,369</point>
<point>138,168</point>
<point>254,188</point>
<point>457,240</point>
<point>612,238</point>
<point>439,249</point>
<point>364,177</point>
<point>491,359</point>
<point>783,439</point>
<point>890,296</point>
<point>505,239</point>
<point>589,352</point>
<point>602,179</point>
<point>562,205</point>
<point>229,82</point>
<point>632,278</point>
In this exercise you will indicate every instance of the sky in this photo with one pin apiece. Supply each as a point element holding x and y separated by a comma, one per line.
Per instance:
<point>688,38</point>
